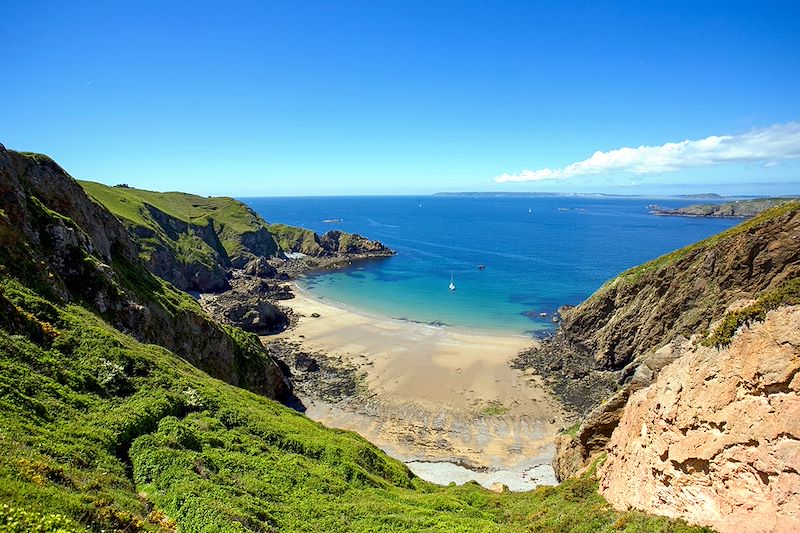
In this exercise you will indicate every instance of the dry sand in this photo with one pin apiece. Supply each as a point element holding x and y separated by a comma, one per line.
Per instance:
<point>434,393</point>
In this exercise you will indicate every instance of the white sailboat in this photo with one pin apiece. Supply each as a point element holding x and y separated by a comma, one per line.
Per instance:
<point>452,285</point>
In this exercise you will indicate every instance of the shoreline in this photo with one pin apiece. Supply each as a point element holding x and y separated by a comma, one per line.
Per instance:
<point>438,398</point>
<point>296,289</point>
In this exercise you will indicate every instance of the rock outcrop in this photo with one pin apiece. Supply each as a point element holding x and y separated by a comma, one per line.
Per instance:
<point>339,242</point>
<point>332,244</point>
<point>55,238</point>
<point>260,268</point>
<point>573,452</point>
<point>201,270</point>
<point>247,305</point>
<point>716,438</point>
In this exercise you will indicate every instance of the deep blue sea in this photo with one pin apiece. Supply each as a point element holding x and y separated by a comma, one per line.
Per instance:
<point>539,252</point>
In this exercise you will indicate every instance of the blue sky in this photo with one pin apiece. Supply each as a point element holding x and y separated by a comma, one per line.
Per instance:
<point>296,98</point>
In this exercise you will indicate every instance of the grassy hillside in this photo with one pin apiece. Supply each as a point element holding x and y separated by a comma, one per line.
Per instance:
<point>56,240</point>
<point>186,239</point>
<point>231,217</point>
<point>191,240</point>
<point>119,435</point>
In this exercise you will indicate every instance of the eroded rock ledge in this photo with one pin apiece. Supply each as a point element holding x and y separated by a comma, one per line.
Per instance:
<point>716,438</point>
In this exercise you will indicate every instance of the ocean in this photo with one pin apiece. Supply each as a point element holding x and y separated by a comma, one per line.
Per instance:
<point>539,253</point>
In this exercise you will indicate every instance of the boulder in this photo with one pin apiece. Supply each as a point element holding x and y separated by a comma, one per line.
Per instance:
<point>306,363</point>
<point>256,316</point>
<point>260,268</point>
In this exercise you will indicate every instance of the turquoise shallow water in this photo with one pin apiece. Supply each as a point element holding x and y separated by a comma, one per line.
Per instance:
<point>539,252</point>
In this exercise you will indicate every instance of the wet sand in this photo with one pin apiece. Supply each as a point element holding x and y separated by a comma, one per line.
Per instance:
<point>432,393</point>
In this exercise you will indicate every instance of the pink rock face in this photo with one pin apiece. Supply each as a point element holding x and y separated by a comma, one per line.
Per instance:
<point>716,438</point>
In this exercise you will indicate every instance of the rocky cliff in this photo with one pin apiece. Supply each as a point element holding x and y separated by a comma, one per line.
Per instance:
<point>683,292</point>
<point>618,340</point>
<point>191,241</point>
<point>716,438</point>
<point>56,239</point>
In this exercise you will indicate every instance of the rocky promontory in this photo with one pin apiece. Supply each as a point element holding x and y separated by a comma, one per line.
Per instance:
<point>735,209</point>
<point>196,242</point>
<point>332,244</point>
<point>190,241</point>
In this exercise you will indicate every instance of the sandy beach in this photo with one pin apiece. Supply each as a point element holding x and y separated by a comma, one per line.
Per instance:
<point>431,393</point>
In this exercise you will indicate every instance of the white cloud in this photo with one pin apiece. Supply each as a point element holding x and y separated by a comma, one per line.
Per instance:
<point>768,145</point>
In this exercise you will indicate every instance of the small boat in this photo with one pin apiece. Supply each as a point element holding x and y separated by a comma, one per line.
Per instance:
<point>452,285</point>
<point>481,266</point>
<point>529,211</point>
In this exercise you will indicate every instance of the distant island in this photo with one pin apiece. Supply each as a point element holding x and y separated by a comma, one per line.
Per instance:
<point>734,209</point>
<point>701,196</point>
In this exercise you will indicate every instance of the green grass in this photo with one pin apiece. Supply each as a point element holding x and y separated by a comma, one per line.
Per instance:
<point>20,521</point>
<point>126,202</point>
<point>40,159</point>
<point>787,293</point>
<point>493,408</point>
<point>632,275</point>
<point>114,434</point>
<point>293,239</point>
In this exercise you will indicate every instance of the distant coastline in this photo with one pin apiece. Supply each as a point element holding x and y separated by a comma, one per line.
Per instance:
<point>508,194</point>
<point>735,209</point>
